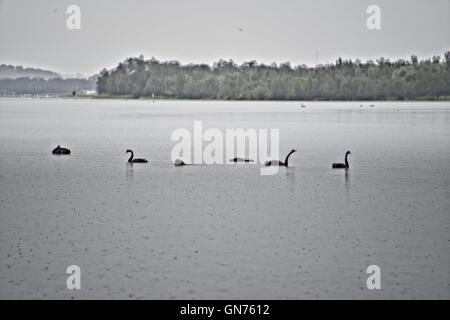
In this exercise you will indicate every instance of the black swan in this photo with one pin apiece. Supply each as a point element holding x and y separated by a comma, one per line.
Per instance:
<point>131,160</point>
<point>238,159</point>
<point>342,165</point>
<point>278,162</point>
<point>60,150</point>
<point>179,163</point>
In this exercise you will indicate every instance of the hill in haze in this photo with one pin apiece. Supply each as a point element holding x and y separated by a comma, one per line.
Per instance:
<point>14,72</point>
<point>17,80</point>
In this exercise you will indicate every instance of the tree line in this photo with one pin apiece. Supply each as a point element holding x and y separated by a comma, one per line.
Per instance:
<point>343,80</point>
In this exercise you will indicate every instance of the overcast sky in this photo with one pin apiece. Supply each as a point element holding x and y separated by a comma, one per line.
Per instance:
<point>34,33</point>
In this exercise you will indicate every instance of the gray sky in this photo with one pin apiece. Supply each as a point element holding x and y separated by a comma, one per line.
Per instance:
<point>33,32</point>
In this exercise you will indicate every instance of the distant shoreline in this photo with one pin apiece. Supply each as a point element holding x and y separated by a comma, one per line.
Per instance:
<point>443,99</point>
<point>112,97</point>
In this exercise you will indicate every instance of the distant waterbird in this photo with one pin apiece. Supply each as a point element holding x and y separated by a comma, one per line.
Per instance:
<point>342,165</point>
<point>137,160</point>
<point>280,163</point>
<point>179,163</point>
<point>60,150</point>
<point>238,159</point>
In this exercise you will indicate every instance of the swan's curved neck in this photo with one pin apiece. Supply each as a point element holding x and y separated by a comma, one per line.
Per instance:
<point>131,157</point>
<point>286,161</point>
<point>346,160</point>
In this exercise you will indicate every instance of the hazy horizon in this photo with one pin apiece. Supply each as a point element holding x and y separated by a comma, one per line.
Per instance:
<point>206,31</point>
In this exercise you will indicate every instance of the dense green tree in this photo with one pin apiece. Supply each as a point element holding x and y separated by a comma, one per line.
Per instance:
<point>344,80</point>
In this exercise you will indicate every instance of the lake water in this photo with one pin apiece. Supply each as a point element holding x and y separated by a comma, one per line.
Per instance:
<point>224,231</point>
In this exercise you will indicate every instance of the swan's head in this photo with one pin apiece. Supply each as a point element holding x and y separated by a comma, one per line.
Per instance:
<point>128,150</point>
<point>293,150</point>
<point>348,152</point>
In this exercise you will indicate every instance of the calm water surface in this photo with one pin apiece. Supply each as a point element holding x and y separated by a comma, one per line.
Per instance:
<point>224,231</point>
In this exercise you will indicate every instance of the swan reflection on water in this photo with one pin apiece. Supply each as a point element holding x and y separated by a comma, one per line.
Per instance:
<point>291,180</point>
<point>347,179</point>
<point>129,172</point>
